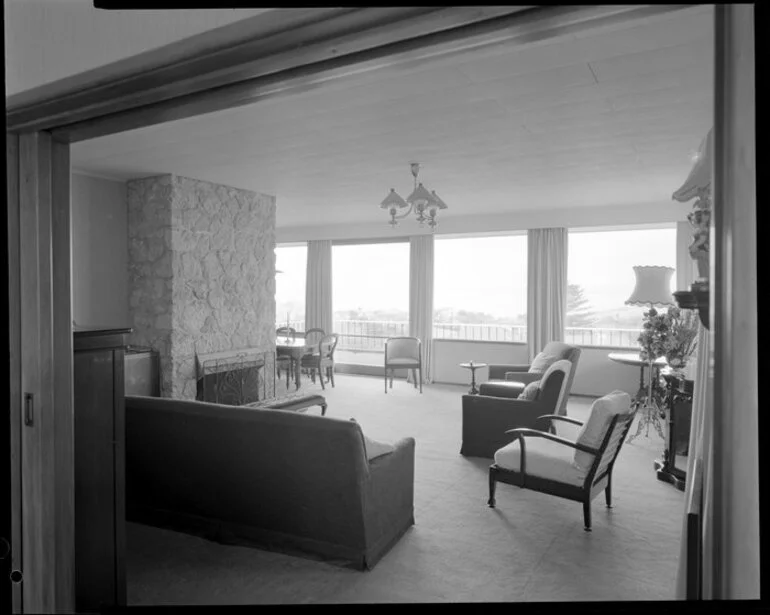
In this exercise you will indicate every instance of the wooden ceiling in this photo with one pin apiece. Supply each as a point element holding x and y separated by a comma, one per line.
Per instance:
<point>604,118</point>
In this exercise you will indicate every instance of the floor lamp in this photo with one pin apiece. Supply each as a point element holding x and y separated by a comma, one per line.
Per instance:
<point>653,289</point>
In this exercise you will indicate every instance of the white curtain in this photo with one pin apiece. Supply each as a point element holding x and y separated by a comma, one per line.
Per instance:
<point>318,286</point>
<point>546,287</point>
<point>701,434</point>
<point>421,297</point>
<point>686,268</point>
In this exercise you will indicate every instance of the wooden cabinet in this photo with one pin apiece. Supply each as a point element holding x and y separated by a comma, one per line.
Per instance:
<point>673,467</point>
<point>100,578</point>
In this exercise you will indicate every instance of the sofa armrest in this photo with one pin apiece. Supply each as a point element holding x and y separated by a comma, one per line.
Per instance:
<point>389,499</point>
<point>497,371</point>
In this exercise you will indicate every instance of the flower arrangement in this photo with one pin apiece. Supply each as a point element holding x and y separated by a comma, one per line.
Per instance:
<point>671,334</point>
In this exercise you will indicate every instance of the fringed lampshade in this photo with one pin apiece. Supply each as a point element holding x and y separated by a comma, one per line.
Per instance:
<point>653,286</point>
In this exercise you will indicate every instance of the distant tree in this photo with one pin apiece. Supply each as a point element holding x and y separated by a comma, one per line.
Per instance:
<point>580,313</point>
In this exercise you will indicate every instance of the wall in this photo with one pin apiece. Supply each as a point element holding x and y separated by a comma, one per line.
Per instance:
<point>202,272</point>
<point>47,40</point>
<point>99,252</point>
<point>596,374</point>
<point>641,214</point>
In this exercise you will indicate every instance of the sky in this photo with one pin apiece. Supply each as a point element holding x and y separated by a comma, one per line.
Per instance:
<point>480,274</point>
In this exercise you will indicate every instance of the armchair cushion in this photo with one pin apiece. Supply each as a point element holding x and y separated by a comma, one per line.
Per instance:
<point>594,429</point>
<point>531,391</point>
<point>545,459</point>
<point>542,362</point>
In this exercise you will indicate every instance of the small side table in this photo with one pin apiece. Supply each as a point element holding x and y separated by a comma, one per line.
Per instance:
<point>473,366</point>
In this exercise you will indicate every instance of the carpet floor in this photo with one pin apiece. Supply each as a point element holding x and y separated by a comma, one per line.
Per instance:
<point>531,548</point>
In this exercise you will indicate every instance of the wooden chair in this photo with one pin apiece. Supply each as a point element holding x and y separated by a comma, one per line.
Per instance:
<point>576,470</point>
<point>312,337</point>
<point>322,360</point>
<point>282,359</point>
<point>403,353</point>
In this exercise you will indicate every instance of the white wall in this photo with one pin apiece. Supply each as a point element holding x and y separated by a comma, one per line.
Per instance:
<point>596,374</point>
<point>641,214</point>
<point>47,40</point>
<point>448,354</point>
<point>99,252</point>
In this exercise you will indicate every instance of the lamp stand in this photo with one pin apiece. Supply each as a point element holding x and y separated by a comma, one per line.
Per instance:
<point>651,413</point>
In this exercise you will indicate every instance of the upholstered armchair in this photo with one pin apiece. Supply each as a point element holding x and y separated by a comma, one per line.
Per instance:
<point>486,418</point>
<point>501,376</point>
<point>577,468</point>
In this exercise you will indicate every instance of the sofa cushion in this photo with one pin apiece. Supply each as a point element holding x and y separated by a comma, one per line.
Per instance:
<point>545,459</point>
<point>594,429</point>
<point>542,362</point>
<point>531,391</point>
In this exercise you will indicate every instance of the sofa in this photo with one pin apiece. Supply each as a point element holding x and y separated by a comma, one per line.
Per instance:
<point>275,479</point>
<point>486,418</point>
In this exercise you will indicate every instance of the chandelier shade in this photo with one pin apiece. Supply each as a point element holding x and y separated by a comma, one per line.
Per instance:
<point>424,203</point>
<point>653,286</point>
<point>393,200</point>
<point>699,179</point>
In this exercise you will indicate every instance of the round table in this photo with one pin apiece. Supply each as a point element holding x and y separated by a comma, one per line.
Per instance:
<point>473,366</point>
<point>651,406</point>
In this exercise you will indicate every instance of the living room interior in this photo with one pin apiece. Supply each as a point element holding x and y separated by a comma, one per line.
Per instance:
<point>197,239</point>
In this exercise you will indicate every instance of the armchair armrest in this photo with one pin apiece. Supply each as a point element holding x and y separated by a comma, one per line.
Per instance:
<point>559,417</point>
<point>497,371</point>
<point>520,432</point>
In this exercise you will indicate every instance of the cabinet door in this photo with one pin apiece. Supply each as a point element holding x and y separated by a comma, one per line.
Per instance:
<point>95,527</point>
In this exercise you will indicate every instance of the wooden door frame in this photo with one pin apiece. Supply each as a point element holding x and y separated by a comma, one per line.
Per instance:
<point>268,55</point>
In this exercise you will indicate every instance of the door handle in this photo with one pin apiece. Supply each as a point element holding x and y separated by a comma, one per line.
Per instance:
<point>29,403</point>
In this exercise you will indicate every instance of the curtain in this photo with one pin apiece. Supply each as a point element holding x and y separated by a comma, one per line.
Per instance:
<point>546,287</point>
<point>686,268</point>
<point>421,297</point>
<point>318,286</point>
<point>701,433</point>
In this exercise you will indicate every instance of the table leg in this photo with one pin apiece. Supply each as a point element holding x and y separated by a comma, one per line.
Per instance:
<point>297,374</point>
<point>474,390</point>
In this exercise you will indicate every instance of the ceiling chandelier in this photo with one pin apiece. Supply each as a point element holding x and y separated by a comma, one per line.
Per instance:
<point>425,204</point>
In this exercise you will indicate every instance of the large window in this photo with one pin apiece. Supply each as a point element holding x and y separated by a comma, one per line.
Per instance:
<point>601,278</point>
<point>370,297</point>
<point>480,288</point>
<point>291,263</point>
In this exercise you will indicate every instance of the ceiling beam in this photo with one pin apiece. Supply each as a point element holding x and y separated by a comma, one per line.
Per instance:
<point>299,59</point>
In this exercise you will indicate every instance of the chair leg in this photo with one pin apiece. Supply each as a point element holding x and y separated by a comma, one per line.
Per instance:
<point>331,374</point>
<point>386,381</point>
<point>587,515</point>
<point>492,485</point>
<point>420,370</point>
<point>608,491</point>
<point>414,378</point>
<point>321,377</point>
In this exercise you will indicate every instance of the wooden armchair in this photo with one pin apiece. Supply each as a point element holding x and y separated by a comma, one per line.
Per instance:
<point>573,469</point>
<point>282,359</point>
<point>322,359</point>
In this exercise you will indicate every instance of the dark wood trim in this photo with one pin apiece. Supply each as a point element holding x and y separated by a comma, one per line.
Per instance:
<point>63,406</point>
<point>382,38</point>
<point>309,37</point>
<point>734,496</point>
<point>96,339</point>
<point>38,442</point>
<point>14,347</point>
<point>119,439</point>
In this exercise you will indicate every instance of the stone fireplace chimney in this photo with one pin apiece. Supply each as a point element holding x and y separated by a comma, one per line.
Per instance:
<point>201,273</point>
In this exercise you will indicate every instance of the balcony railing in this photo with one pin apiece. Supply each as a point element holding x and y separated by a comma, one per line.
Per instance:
<point>370,335</point>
